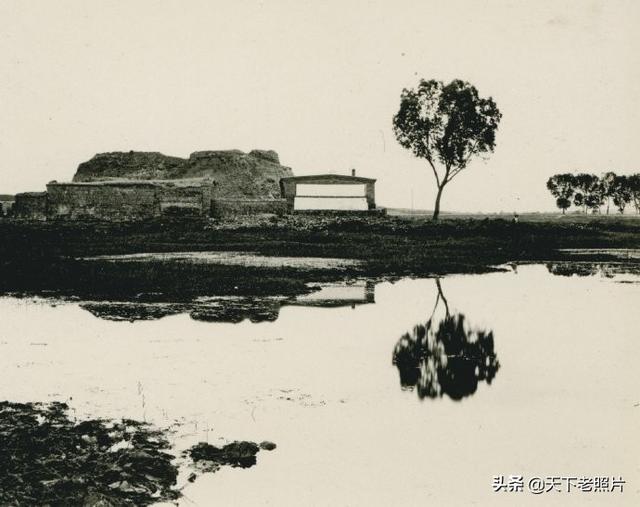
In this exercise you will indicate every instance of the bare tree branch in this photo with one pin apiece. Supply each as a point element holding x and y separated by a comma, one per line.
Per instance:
<point>454,173</point>
<point>441,294</point>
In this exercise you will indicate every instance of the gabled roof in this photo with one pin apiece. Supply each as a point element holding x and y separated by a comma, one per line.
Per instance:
<point>328,178</point>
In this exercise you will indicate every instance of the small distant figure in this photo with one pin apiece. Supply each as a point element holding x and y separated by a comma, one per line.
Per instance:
<point>515,218</point>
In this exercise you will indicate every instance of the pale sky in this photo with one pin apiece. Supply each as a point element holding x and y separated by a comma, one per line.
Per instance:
<point>319,83</point>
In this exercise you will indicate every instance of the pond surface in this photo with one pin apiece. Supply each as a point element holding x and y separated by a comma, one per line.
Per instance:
<point>406,393</point>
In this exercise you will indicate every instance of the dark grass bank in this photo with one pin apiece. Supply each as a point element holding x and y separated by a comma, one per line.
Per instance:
<point>49,458</point>
<point>43,256</point>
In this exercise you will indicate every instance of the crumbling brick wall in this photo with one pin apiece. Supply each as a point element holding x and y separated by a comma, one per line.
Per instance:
<point>127,200</point>
<point>221,208</point>
<point>6,203</point>
<point>104,202</point>
<point>30,205</point>
<point>180,200</point>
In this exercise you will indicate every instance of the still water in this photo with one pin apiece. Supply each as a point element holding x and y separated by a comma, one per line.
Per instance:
<point>414,392</point>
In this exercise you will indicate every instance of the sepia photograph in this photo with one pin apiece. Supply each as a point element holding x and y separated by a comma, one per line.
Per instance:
<point>338,253</point>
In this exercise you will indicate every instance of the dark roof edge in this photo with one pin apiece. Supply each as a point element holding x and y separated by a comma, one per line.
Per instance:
<point>343,177</point>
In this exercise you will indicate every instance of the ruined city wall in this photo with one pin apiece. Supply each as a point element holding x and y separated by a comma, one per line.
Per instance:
<point>234,174</point>
<point>128,186</point>
<point>125,201</point>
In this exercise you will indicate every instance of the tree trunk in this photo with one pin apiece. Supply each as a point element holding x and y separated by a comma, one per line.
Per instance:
<point>436,209</point>
<point>441,295</point>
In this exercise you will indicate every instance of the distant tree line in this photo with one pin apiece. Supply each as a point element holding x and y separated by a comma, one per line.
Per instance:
<point>589,192</point>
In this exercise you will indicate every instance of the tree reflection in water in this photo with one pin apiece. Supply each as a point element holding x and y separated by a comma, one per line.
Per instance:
<point>444,356</point>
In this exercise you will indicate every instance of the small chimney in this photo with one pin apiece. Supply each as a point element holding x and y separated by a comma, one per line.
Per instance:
<point>353,172</point>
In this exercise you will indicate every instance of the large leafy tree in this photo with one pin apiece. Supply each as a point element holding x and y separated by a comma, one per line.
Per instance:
<point>561,187</point>
<point>447,125</point>
<point>608,183</point>
<point>588,192</point>
<point>633,183</point>
<point>620,192</point>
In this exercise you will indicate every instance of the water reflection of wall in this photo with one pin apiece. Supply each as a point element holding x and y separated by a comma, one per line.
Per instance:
<point>445,356</point>
<point>237,309</point>
<point>339,294</point>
